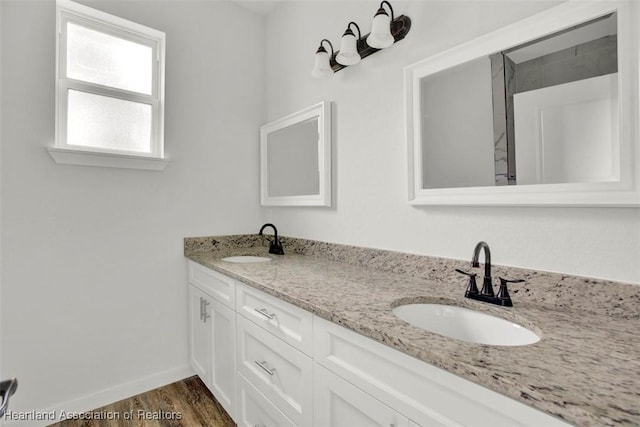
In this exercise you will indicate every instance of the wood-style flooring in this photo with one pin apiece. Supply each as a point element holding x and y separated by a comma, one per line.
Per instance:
<point>186,403</point>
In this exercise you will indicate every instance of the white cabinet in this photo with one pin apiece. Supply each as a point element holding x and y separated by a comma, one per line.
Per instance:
<point>270,363</point>
<point>212,333</point>
<point>341,404</point>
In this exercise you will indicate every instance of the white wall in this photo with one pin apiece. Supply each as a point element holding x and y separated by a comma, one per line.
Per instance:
<point>370,149</point>
<point>93,276</point>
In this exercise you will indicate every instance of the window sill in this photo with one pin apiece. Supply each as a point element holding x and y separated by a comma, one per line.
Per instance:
<point>67,156</point>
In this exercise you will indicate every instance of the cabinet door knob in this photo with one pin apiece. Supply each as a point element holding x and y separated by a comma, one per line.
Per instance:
<point>201,308</point>
<point>264,366</point>
<point>265,313</point>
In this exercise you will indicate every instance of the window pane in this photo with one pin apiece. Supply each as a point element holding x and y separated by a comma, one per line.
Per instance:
<point>101,58</point>
<point>105,122</point>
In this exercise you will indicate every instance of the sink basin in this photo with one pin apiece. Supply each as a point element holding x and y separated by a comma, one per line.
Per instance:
<point>465,324</point>
<point>246,259</point>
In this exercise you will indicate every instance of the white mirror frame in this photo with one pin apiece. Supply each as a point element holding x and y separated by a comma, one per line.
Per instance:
<point>322,111</point>
<point>625,192</point>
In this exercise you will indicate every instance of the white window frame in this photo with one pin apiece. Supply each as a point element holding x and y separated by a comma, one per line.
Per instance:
<point>68,11</point>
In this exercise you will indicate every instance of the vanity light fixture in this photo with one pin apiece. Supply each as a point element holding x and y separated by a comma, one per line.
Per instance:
<point>322,67</point>
<point>380,36</point>
<point>385,31</point>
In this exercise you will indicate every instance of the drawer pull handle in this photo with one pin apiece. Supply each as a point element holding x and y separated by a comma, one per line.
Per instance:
<point>265,313</point>
<point>264,366</point>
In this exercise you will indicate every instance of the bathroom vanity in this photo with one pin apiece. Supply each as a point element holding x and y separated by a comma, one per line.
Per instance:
<point>309,339</point>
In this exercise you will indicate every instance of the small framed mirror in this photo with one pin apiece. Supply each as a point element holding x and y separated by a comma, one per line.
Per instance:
<point>542,112</point>
<point>295,159</point>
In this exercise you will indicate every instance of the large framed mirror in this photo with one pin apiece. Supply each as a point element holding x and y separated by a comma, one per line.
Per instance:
<point>295,159</point>
<point>542,112</point>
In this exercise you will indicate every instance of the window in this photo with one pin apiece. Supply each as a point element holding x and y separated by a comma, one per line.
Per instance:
<point>110,90</point>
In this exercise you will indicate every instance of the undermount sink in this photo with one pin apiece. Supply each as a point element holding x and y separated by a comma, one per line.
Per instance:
<point>244,259</point>
<point>465,324</point>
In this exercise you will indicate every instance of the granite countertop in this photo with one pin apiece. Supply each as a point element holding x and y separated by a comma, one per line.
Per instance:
<point>585,369</point>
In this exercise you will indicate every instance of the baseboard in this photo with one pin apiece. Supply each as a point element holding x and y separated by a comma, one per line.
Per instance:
<point>101,398</point>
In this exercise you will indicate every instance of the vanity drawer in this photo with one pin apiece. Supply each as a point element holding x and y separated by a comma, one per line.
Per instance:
<point>255,410</point>
<point>286,321</point>
<point>282,373</point>
<point>216,285</point>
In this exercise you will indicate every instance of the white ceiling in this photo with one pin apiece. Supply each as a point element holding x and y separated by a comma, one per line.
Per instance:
<point>262,7</point>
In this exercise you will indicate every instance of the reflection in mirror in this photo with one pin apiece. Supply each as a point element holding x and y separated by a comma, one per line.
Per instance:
<point>544,112</point>
<point>457,127</point>
<point>293,152</point>
<point>295,159</point>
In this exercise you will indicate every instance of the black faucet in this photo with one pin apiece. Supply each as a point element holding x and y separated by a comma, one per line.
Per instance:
<point>275,247</point>
<point>487,285</point>
<point>486,294</point>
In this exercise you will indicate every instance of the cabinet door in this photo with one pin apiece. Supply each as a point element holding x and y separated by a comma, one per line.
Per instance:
<point>199,335</point>
<point>223,354</point>
<point>340,404</point>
